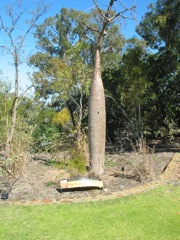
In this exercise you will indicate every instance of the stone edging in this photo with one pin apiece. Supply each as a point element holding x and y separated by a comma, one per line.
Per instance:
<point>171,173</point>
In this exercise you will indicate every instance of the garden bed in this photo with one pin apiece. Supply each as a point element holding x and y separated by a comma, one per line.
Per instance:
<point>122,171</point>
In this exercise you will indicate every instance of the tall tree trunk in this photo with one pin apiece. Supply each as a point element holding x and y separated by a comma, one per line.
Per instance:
<point>97,120</point>
<point>10,133</point>
<point>97,112</point>
<point>15,48</point>
<point>11,130</point>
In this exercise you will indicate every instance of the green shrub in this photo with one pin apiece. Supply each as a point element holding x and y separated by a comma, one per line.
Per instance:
<point>76,164</point>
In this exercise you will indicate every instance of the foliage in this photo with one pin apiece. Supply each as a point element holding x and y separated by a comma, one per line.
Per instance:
<point>62,117</point>
<point>45,129</point>
<point>13,45</point>
<point>71,160</point>
<point>126,89</point>
<point>143,92</point>
<point>160,28</point>
<point>22,141</point>
<point>160,25</point>
<point>162,98</point>
<point>63,77</point>
<point>20,148</point>
<point>64,62</point>
<point>24,125</point>
<point>5,106</point>
<point>60,62</point>
<point>76,164</point>
<point>141,80</point>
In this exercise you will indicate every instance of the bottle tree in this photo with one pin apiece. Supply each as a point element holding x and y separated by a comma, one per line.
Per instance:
<point>97,114</point>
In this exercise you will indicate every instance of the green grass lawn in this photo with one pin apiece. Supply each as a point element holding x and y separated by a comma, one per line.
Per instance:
<point>154,215</point>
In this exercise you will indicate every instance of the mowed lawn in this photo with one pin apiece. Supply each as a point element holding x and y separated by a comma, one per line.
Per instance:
<point>154,215</point>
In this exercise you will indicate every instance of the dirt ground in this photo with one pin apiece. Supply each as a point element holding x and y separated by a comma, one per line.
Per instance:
<point>122,171</point>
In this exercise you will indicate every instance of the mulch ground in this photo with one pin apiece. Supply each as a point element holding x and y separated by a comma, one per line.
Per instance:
<point>125,174</point>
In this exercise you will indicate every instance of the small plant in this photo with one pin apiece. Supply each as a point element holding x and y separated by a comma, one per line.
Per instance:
<point>16,161</point>
<point>110,162</point>
<point>76,164</point>
<point>49,184</point>
<point>144,167</point>
<point>55,163</point>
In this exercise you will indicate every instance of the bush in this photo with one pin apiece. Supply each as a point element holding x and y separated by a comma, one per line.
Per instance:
<point>76,164</point>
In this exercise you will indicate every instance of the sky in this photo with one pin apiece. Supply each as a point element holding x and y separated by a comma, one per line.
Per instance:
<point>128,30</point>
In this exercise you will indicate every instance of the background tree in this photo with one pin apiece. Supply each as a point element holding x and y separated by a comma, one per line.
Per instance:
<point>5,106</point>
<point>64,65</point>
<point>22,138</point>
<point>160,28</point>
<point>126,88</point>
<point>14,46</point>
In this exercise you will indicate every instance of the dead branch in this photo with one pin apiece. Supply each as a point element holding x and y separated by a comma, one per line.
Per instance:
<point>107,19</point>
<point>90,28</point>
<point>4,167</point>
<point>24,93</point>
<point>119,14</point>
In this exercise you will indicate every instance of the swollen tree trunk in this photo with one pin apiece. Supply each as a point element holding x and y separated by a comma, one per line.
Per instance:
<point>97,113</point>
<point>97,120</point>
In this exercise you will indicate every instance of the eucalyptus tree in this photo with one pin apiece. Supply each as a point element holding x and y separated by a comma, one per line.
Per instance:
<point>62,62</point>
<point>135,89</point>
<point>126,88</point>
<point>63,83</point>
<point>66,40</point>
<point>13,44</point>
<point>160,27</point>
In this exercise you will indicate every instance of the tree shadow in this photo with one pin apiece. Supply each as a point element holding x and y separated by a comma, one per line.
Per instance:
<point>78,189</point>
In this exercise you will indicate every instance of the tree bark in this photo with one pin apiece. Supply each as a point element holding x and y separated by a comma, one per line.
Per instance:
<point>10,133</point>
<point>97,120</point>
<point>97,112</point>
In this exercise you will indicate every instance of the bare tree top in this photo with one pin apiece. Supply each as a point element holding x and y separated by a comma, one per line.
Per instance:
<point>114,10</point>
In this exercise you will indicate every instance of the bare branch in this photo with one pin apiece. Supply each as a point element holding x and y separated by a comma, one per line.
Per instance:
<point>24,93</point>
<point>15,49</point>
<point>98,8</point>
<point>122,110</point>
<point>90,28</point>
<point>109,8</point>
<point>120,14</point>
<point>37,14</point>
<point>8,32</point>
<point>88,9</point>
<point>14,22</point>
<point>90,39</point>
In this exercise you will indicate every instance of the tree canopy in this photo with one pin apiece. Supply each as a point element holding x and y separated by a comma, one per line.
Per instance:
<point>160,28</point>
